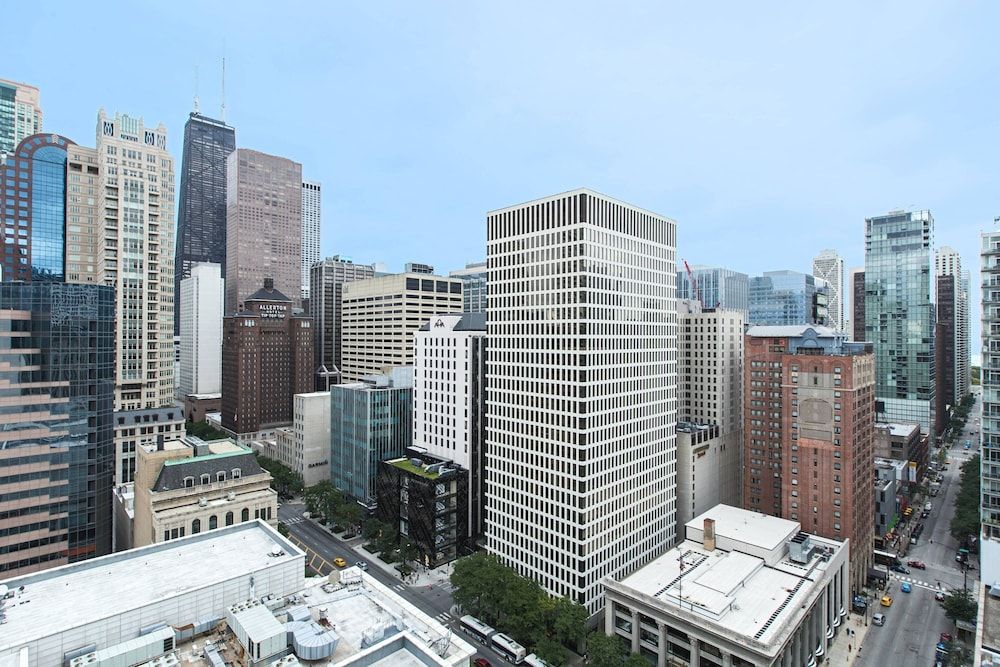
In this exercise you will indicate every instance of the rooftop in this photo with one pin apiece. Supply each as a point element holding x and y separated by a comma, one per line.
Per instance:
<point>791,331</point>
<point>990,613</point>
<point>137,578</point>
<point>465,322</point>
<point>752,529</point>
<point>407,465</point>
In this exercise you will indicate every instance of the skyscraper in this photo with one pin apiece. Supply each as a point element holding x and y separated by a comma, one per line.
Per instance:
<point>829,266</point>
<point>310,230</point>
<point>84,223</point>
<point>20,114</point>
<point>57,345</point>
<point>787,298</point>
<point>201,214</point>
<point>201,299</point>
<point>809,420</point>
<point>327,280</point>
<point>716,288</point>
<point>857,304</point>
<point>947,262</point>
<point>989,553</point>
<point>136,196</point>
<point>899,314</point>
<point>581,390</point>
<point>263,226</point>
<point>473,278</point>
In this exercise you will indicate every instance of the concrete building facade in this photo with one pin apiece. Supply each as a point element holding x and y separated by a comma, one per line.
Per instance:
<point>989,553</point>
<point>135,428</point>
<point>810,427</point>
<point>899,314</point>
<point>829,266</point>
<point>743,590</point>
<point>311,207</point>
<point>380,316</point>
<point>267,354</point>
<point>474,278</point>
<point>263,226</point>
<point>201,304</point>
<point>327,280</point>
<point>20,114</point>
<point>581,390</point>
<point>305,445</point>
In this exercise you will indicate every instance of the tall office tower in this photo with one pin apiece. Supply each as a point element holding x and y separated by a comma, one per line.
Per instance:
<point>370,421</point>
<point>201,298</point>
<point>327,280</point>
<point>829,266</point>
<point>779,298</point>
<point>580,390</point>
<point>136,195</point>
<point>858,304</point>
<point>83,219</point>
<point>263,226</point>
<point>310,230</point>
<point>57,346</point>
<point>947,262</point>
<point>809,419</point>
<point>201,209</point>
<point>989,552</point>
<point>716,288</point>
<point>709,408</point>
<point>945,337</point>
<point>414,267</point>
<point>34,232</point>
<point>899,314</point>
<point>473,278</point>
<point>448,394</point>
<point>20,114</point>
<point>380,316</point>
<point>267,353</point>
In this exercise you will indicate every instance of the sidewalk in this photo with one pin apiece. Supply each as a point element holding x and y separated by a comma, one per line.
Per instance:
<point>852,634</point>
<point>421,576</point>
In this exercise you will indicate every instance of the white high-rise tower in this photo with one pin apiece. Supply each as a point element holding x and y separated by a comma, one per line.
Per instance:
<point>829,266</point>
<point>581,390</point>
<point>310,230</point>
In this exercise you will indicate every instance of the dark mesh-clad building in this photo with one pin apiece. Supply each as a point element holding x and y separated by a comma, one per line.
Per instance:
<point>201,213</point>
<point>267,358</point>
<point>57,364</point>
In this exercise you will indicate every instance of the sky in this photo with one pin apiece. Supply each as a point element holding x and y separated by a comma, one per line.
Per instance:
<point>768,131</point>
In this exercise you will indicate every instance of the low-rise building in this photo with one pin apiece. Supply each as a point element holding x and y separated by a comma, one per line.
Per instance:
<point>903,442</point>
<point>190,486</point>
<point>171,599</point>
<point>887,508</point>
<point>987,642</point>
<point>123,503</point>
<point>197,406</point>
<point>742,589</point>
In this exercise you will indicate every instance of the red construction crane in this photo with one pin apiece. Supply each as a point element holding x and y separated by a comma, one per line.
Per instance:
<point>694,285</point>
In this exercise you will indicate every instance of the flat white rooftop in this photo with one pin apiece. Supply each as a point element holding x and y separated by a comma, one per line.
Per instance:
<point>751,528</point>
<point>74,595</point>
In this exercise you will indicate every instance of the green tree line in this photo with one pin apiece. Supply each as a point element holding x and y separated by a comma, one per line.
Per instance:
<point>967,518</point>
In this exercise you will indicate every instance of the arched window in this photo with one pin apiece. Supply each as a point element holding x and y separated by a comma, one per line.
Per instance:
<point>220,476</point>
<point>237,473</point>
<point>206,478</point>
<point>196,526</point>
<point>213,522</point>
<point>229,518</point>
<point>245,515</point>
<point>188,482</point>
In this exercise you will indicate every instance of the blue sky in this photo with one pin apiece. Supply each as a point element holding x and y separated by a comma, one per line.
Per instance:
<point>768,131</point>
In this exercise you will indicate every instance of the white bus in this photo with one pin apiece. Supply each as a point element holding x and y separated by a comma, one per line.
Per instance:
<point>476,628</point>
<point>534,661</point>
<point>508,648</point>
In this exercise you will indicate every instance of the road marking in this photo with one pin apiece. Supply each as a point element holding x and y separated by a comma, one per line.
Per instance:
<point>399,587</point>
<point>294,520</point>
<point>444,618</point>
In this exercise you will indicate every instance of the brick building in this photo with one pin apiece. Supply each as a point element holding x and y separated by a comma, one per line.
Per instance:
<point>267,358</point>
<point>809,425</point>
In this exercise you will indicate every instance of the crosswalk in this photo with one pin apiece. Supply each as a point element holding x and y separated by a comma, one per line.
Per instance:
<point>399,587</point>
<point>923,584</point>
<point>444,618</point>
<point>294,520</point>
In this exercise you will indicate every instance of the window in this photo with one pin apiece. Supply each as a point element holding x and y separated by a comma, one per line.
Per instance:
<point>196,526</point>
<point>220,476</point>
<point>188,482</point>
<point>213,522</point>
<point>229,518</point>
<point>245,514</point>
<point>206,479</point>
<point>237,473</point>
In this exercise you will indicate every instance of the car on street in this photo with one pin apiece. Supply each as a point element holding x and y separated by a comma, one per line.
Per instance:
<point>481,662</point>
<point>917,564</point>
<point>899,569</point>
<point>878,619</point>
<point>945,637</point>
<point>339,562</point>
<point>362,565</point>
<point>905,587</point>
<point>939,596</point>
<point>886,601</point>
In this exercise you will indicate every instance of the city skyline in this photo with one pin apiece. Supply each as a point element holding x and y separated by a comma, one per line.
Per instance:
<point>450,93</point>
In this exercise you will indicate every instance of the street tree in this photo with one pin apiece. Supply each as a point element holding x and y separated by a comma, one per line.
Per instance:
<point>604,650</point>
<point>636,660</point>
<point>551,652</point>
<point>568,621</point>
<point>959,605</point>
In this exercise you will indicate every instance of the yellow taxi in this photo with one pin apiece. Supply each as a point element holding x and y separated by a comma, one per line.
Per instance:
<point>886,601</point>
<point>340,562</point>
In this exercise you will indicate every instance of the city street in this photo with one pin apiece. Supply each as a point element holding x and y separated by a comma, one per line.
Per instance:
<point>915,620</point>
<point>322,547</point>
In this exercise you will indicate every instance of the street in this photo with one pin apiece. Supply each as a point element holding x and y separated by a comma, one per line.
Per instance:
<point>322,547</point>
<point>915,620</point>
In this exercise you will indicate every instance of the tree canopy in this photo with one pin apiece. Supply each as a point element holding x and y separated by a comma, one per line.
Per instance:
<point>959,605</point>
<point>967,518</point>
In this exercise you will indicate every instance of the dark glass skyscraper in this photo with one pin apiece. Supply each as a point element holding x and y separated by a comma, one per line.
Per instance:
<point>57,378</point>
<point>201,214</point>
<point>33,214</point>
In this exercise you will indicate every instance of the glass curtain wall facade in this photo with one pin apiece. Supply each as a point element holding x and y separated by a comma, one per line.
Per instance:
<point>899,314</point>
<point>33,214</point>
<point>473,278</point>
<point>20,114</point>
<point>201,216</point>
<point>368,424</point>
<point>57,342</point>
<point>780,298</point>
<point>717,287</point>
<point>990,434</point>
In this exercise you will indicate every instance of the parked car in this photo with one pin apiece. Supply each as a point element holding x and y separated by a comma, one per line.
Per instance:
<point>481,662</point>
<point>945,636</point>
<point>939,596</point>
<point>878,619</point>
<point>918,564</point>
<point>362,565</point>
<point>339,562</point>
<point>886,601</point>
<point>899,568</point>
<point>905,587</point>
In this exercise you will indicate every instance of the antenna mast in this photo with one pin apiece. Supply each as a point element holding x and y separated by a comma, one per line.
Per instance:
<point>223,89</point>
<point>196,110</point>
